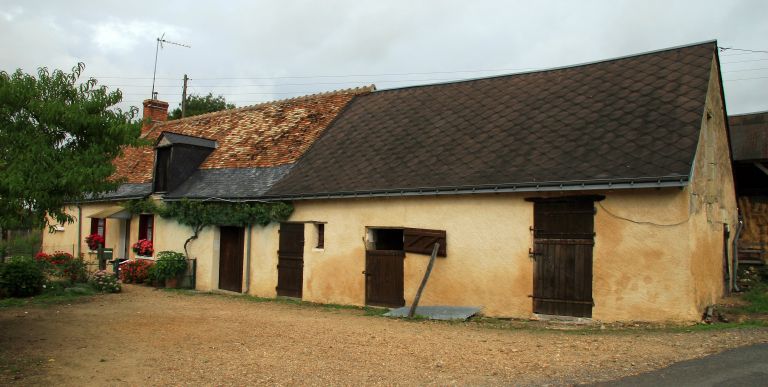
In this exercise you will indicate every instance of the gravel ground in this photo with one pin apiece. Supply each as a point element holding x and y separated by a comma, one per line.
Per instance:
<point>148,337</point>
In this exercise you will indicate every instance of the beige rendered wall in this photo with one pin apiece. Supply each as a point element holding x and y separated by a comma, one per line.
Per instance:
<point>641,265</point>
<point>713,201</point>
<point>641,271</point>
<point>487,248</point>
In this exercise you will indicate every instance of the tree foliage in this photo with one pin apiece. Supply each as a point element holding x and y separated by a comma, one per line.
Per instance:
<point>57,140</point>
<point>197,105</point>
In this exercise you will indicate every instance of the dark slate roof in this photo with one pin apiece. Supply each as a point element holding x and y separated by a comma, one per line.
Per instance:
<point>126,191</point>
<point>749,136</point>
<point>229,183</point>
<point>631,121</point>
<point>174,138</point>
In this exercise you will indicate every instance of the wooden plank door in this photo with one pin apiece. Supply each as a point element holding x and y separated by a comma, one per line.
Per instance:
<point>384,278</point>
<point>290,260</point>
<point>563,244</point>
<point>231,259</point>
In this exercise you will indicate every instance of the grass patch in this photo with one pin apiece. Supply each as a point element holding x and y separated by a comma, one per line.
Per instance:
<point>55,293</point>
<point>757,297</point>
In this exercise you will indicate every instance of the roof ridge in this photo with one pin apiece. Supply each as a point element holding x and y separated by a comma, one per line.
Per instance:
<point>557,68</point>
<point>352,90</point>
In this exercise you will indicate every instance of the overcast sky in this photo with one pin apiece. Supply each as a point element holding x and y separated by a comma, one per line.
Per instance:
<point>254,51</point>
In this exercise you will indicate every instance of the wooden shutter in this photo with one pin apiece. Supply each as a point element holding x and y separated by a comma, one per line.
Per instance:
<point>421,241</point>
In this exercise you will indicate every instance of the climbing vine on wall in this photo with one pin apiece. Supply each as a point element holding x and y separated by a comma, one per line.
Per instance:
<point>199,215</point>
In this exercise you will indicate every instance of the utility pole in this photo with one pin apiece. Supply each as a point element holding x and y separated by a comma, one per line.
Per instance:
<point>184,98</point>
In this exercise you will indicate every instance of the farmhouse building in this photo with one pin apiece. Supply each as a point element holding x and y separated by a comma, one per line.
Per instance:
<point>601,190</point>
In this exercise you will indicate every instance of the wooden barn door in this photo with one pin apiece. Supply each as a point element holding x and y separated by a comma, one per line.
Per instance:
<point>384,278</point>
<point>563,242</point>
<point>231,259</point>
<point>290,256</point>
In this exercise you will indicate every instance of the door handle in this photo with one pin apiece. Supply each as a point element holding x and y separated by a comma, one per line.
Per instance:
<point>364,272</point>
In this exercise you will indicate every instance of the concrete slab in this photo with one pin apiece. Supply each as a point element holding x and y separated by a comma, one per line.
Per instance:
<point>437,312</point>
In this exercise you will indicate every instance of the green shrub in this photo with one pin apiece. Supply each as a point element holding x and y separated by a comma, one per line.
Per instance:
<point>105,282</point>
<point>152,278</point>
<point>170,264</point>
<point>21,277</point>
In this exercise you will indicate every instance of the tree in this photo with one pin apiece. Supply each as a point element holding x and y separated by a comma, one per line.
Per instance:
<point>58,137</point>
<point>197,105</point>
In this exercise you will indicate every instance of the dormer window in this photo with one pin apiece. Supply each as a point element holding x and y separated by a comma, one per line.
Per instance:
<point>161,169</point>
<point>177,157</point>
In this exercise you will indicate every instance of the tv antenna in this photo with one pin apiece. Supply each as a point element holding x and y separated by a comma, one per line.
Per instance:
<point>159,45</point>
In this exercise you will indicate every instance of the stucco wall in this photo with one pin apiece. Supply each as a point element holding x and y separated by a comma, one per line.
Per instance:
<point>487,248</point>
<point>641,271</point>
<point>713,201</point>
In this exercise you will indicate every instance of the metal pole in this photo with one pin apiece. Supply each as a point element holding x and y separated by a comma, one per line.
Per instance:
<point>184,98</point>
<point>154,72</point>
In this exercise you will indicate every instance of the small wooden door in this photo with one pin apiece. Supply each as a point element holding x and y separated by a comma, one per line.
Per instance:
<point>290,260</point>
<point>231,259</point>
<point>384,278</point>
<point>563,243</point>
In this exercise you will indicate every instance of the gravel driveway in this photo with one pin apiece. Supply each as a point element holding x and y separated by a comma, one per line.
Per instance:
<point>148,337</point>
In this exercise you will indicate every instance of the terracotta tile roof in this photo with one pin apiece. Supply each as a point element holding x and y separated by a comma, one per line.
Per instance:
<point>628,120</point>
<point>265,135</point>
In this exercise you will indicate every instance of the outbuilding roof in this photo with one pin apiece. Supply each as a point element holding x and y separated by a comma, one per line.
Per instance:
<point>632,121</point>
<point>749,136</point>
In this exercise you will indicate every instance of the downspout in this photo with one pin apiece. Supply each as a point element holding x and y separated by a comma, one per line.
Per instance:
<point>248,259</point>
<point>79,228</point>
<point>735,264</point>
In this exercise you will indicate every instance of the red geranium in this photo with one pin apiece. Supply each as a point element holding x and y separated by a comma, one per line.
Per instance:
<point>135,271</point>
<point>94,241</point>
<point>143,247</point>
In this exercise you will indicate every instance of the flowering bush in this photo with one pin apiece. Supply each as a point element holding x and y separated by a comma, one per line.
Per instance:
<point>64,265</point>
<point>105,282</point>
<point>94,241</point>
<point>143,247</point>
<point>135,271</point>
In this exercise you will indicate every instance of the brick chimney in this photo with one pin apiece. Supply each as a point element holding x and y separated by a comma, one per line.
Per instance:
<point>154,111</point>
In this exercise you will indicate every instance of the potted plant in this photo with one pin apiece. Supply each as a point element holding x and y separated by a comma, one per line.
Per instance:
<point>170,265</point>
<point>143,248</point>
<point>94,241</point>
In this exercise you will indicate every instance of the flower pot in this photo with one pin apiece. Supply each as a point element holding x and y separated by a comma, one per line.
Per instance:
<point>171,283</point>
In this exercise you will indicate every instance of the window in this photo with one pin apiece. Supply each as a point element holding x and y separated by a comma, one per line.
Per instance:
<point>146,227</point>
<point>320,235</point>
<point>412,240</point>
<point>99,226</point>
<point>386,238</point>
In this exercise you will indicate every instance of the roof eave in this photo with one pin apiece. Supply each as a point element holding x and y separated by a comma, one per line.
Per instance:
<point>665,182</point>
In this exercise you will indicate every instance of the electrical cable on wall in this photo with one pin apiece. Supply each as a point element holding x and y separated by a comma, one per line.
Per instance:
<point>644,222</point>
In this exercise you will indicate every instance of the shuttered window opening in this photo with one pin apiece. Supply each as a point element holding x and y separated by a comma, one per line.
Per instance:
<point>422,241</point>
